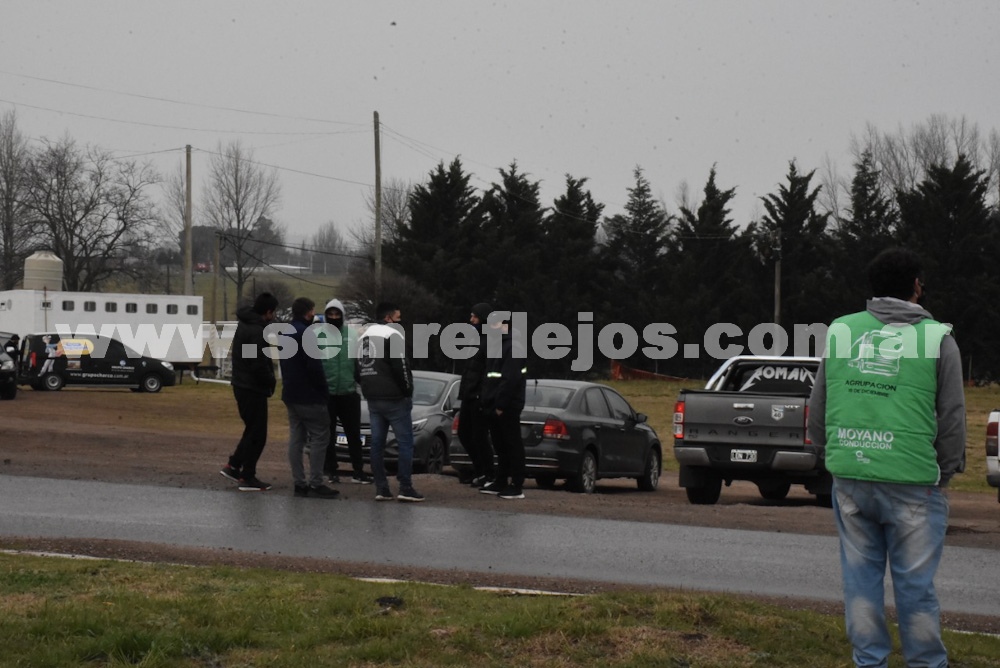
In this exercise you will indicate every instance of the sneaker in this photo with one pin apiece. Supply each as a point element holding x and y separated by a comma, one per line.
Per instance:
<point>231,473</point>
<point>331,478</point>
<point>252,484</point>
<point>512,492</point>
<point>479,482</point>
<point>409,494</point>
<point>301,490</point>
<point>383,495</point>
<point>323,492</point>
<point>494,487</point>
<point>362,479</point>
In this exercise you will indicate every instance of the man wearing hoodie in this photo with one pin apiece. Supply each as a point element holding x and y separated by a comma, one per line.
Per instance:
<point>253,382</point>
<point>473,431</point>
<point>387,383</point>
<point>343,402</point>
<point>888,412</point>
<point>303,389</point>
<point>503,400</point>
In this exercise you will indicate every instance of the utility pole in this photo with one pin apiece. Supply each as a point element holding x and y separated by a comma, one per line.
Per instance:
<point>378,213</point>
<point>215,277</point>
<point>188,261</point>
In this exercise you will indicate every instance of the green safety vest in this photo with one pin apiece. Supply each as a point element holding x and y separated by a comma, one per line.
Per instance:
<point>881,394</point>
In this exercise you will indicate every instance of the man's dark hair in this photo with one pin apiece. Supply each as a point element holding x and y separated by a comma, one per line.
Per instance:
<point>385,309</point>
<point>892,272</point>
<point>265,302</point>
<point>301,306</point>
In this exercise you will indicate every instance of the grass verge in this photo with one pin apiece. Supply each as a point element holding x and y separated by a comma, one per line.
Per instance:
<point>64,612</point>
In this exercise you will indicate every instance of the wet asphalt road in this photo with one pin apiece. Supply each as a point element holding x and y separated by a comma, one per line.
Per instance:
<point>420,535</point>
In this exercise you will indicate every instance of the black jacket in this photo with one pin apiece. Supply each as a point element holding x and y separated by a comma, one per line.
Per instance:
<point>252,373</point>
<point>303,380</point>
<point>504,384</point>
<point>471,386</point>
<point>381,369</point>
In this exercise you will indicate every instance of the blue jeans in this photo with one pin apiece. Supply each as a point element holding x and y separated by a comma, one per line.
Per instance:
<point>308,426</point>
<point>396,414</point>
<point>904,524</point>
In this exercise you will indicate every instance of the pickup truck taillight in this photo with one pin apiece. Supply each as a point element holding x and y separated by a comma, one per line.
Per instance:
<point>679,419</point>
<point>805,428</point>
<point>991,439</point>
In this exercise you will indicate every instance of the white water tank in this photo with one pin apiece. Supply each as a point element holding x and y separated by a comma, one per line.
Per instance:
<point>43,270</point>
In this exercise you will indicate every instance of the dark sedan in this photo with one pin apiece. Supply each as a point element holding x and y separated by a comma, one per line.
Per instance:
<point>581,432</point>
<point>435,400</point>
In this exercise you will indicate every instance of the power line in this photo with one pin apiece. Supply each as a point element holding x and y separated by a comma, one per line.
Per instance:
<point>230,236</point>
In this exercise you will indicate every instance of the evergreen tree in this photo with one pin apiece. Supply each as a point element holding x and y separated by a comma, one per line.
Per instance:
<point>792,235</point>
<point>947,221</point>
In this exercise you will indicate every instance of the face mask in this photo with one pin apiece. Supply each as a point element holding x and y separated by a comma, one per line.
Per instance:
<point>336,322</point>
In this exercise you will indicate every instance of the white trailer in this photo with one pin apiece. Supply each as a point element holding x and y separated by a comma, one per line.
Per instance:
<point>166,327</point>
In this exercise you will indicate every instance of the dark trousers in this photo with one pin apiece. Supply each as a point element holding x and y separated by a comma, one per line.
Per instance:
<point>345,409</point>
<point>473,434</point>
<point>506,433</point>
<point>253,411</point>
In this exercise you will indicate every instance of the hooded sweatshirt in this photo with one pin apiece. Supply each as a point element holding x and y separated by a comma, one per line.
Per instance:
<point>254,373</point>
<point>949,444</point>
<point>339,368</point>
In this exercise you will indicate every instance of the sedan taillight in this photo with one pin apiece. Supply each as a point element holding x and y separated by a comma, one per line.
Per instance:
<point>805,428</point>
<point>991,439</point>
<point>555,429</point>
<point>454,426</point>
<point>679,419</point>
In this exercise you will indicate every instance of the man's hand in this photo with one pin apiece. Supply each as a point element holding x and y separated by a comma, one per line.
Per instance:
<point>499,412</point>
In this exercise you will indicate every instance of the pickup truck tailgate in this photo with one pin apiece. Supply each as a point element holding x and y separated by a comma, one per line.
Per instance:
<point>742,420</point>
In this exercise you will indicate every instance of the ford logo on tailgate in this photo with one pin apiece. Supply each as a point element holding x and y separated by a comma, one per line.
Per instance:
<point>743,420</point>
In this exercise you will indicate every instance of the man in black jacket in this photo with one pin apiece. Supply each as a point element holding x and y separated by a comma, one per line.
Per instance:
<point>503,401</point>
<point>472,422</point>
<point>253,382</point>
<point>387,383</point>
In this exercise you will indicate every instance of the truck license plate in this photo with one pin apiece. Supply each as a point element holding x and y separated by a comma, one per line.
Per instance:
<point>341,439</point>
<point>743,456</point>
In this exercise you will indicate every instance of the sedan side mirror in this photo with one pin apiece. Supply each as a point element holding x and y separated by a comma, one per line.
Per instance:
<point>641,418</point>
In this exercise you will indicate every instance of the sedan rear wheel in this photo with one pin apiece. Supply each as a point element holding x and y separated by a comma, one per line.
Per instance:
<point>586,480</point>
<point>650,478</point>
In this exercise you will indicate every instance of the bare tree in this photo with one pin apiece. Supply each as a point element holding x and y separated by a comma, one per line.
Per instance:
<point>239,195</point>
<point>395,214</point>
<point>17,231</point>
<point>329,250</point>
<point>96,211</point>
<point>903,158</point>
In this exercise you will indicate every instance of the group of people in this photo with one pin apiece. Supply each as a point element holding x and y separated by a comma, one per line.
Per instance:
<point>318,392</point>
<point>890,507</point>
<point>321,391</point>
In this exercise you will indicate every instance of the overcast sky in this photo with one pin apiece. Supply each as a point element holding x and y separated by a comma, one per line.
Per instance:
<point>585,87</point>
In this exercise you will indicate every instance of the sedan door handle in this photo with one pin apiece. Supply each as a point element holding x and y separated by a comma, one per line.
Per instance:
<point>596,426</point>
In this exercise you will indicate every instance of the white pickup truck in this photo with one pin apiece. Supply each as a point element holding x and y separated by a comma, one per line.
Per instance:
<point>992,465</point>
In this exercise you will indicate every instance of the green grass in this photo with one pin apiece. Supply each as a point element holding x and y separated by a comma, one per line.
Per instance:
<point>62,612</point>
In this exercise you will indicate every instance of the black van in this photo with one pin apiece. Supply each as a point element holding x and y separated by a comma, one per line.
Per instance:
<point>50,361</point>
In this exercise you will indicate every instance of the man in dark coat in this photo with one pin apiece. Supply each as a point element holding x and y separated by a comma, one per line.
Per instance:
<point>253,382</point>
<point>473,430</point>
<point>503,400</point>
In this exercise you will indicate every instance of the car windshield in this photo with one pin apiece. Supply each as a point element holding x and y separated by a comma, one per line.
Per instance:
<point>540,396</point>
<point>426,391</point>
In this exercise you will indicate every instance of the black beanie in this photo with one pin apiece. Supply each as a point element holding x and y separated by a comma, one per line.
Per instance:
<point>482,311</point>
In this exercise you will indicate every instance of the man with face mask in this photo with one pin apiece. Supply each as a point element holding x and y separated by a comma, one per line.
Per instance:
<point>343,401</point>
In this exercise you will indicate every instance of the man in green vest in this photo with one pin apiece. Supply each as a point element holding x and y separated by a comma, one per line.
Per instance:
<point>343,401</point>
<point>888,412</point>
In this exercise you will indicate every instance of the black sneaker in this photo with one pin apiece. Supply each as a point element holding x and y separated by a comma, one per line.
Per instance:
<point>362,479</point>
<point>512,492</point>
<point>231,473</point>
<point>332,478</point>
<point>410,495</point>
<point>252,484</point>
<point>383,495</point>
<point>301,490</point>
<point>494,487</point>
<point>323,492</point>
<point>479,482</point>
